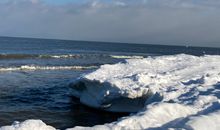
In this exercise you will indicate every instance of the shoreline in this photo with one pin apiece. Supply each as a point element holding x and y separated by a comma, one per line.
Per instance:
<point>185,92</point>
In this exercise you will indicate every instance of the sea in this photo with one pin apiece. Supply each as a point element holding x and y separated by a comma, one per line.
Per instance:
<point>35,75</point>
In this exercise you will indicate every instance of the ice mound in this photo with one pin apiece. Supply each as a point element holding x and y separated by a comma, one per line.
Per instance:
<point>179,91</point>
<point>108,97</point>
<point>28,125</point>
<point>129,86</point>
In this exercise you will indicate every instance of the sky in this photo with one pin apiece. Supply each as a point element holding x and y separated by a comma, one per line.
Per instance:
<point>167,22</point>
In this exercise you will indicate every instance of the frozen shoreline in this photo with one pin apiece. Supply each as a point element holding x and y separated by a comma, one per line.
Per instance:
<point>180,91</point>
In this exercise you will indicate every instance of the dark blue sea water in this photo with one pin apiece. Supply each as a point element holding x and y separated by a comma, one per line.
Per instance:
<point>35,73</point>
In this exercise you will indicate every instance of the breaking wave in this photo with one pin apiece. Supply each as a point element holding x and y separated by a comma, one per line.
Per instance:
<point>59,56</point>
<point>35,67</point>
<point>126,57</point>
<point>64,56</point>
<point>32,56</point>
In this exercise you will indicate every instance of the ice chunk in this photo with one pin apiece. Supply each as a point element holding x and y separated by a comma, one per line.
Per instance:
<point>107,97</point>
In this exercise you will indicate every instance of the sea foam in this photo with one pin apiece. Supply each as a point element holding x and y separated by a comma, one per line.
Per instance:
<point>35,67</point>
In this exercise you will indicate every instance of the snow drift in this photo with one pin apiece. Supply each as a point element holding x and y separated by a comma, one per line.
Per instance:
<point>178,91</point>
<point>129,86</point>
<point>28,125</point>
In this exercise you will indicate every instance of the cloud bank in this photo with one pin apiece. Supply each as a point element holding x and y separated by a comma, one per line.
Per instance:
<point>174,22</point>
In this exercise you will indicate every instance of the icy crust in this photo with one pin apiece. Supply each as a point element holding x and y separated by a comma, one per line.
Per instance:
<point>108,97</point>
<point>182,91</point>
<point>146,80</point>
<point>179,88</point>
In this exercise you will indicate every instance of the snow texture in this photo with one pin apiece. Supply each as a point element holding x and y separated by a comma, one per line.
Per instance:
<point>28,125</point>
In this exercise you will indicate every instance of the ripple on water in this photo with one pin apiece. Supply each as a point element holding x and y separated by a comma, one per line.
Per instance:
<point>50,101</point>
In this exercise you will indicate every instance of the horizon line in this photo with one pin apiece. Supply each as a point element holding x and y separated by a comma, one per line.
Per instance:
<point>60,39</point>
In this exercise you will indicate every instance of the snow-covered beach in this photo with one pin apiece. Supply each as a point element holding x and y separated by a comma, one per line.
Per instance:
<point>176,91</point>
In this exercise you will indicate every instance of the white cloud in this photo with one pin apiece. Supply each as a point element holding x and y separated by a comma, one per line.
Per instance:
<point>146,21</point>
<point>34,1</point>
<point>119,3</point>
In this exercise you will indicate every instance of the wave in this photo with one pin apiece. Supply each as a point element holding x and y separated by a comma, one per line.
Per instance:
<point>59,56</point>
<point>64,56</point>
<point>34,67</point>
<point>126,57</point>
<point>17,56</point>
<point>29,56</point>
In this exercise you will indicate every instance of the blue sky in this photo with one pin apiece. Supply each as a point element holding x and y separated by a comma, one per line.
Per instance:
<point>172,22</point>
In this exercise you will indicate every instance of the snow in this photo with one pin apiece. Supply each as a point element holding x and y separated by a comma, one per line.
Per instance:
<point>169,77</point>
<point>205,122</point>
<point>166,92</point>
<point>28,125</point>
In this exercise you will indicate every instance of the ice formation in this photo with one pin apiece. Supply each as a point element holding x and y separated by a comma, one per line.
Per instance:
<point>177,92</point>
